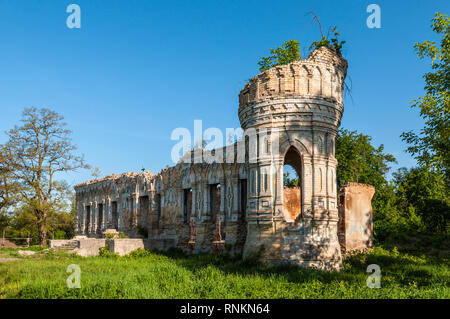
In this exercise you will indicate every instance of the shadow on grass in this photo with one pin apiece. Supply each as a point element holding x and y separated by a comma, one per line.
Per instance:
<point>436,247</point>
<point>402,269</point>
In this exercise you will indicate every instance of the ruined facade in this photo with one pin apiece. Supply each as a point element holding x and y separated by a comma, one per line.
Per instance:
<point>237,202</point>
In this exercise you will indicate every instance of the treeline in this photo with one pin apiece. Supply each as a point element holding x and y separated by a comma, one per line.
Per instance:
<point>414,201</point>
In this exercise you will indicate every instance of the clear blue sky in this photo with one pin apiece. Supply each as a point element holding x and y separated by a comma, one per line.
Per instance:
<point>138,69</point>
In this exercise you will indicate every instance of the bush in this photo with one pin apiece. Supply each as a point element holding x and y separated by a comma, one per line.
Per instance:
<point>122,235</point>
<point>60,234</point>
<point>436,215</point>
<point>139,253</point>
<point>104,252</point>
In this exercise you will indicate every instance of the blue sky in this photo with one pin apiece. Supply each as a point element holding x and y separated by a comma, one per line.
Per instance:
<point>136,70</point>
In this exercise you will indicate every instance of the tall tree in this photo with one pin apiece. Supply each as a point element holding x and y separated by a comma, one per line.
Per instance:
<point>431,146</point>
<point>36,152</point>
<point>359,161</point>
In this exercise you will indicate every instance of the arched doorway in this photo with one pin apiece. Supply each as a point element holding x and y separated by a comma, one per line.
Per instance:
<point>292,184</point>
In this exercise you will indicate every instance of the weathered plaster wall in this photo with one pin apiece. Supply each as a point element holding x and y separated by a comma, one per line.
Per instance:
<point>91,246</point>
<point>125,246</point>
<point>355,217</point>
<point>82,247</point>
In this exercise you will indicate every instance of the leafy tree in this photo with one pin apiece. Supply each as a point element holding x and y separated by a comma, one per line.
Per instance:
<point>290,182</point>
<point>60,225</point>
<point>23,225</point>
<point>8,186</point>
<point>8,192</point>
<point>431,146</point>
<point>414,201</point>
<point>359,161</point>
<point>35,153</point>
<point>424,191</point>
<point>288,52</point>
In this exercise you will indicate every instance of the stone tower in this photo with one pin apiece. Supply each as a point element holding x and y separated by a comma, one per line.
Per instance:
<point>295,110</point>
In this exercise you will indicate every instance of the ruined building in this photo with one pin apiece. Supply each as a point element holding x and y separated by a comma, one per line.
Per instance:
<point>292,113</point>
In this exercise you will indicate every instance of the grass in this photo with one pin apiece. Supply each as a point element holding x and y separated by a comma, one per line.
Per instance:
<point>175,275</point>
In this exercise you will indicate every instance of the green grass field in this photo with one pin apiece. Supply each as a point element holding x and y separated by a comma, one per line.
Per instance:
<point>175,275</point>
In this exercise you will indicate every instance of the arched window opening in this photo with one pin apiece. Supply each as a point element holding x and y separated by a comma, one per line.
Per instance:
<point>292,184</point>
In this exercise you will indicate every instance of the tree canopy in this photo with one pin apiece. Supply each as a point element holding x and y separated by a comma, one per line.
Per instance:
<point>359,161</point>
<point>431,147</point>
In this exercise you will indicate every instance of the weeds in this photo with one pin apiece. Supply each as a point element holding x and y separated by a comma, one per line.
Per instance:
<point>150,274</point>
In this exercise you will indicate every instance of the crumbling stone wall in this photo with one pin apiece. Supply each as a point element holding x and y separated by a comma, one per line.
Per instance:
<point>165,219</point>
<point>355,229</point>
<point>87,247</point>
<point>293,113</point>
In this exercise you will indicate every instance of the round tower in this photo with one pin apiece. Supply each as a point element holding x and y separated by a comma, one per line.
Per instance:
<point>295,111</point>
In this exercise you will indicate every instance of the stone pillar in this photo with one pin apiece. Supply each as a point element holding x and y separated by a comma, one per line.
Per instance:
<point>263,219</point>
<point>104,215</point>
<point>206,206</point>
<point>222,199</point>
<point>109,222</point>
<point>83,218</point>
<point>134,200</point>
<point>278,186</point>
<point>95,217</point>
<point>121,208</point>
<point>91,218</point>
<point>235,202</point>
<point>193,201</point>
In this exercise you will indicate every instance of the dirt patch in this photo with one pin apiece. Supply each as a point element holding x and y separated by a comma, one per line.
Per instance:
<point>3,260</point>
<point>7,244</point>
